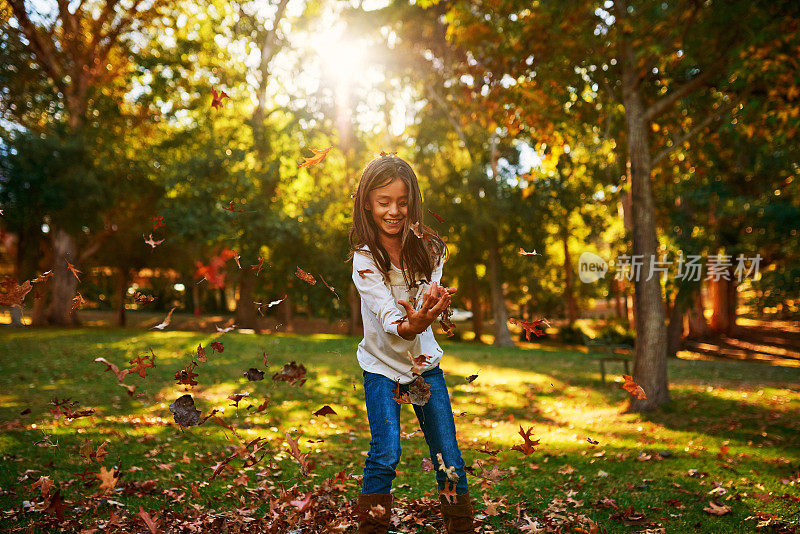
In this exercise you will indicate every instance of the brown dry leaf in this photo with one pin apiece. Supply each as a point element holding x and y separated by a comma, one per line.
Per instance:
<point>114,369</point>
<point>305,465</point>
<point>449,471</point>
<point>717,509</point>
<point>325,410</point>
<point>166,321</point>
<point>527,447</point>
<point>73,269</point>
<point>632,387</point>
<point>108,479</point>
<point>291,373</point>
<point>306,277</point>
<point>151,523</point>
<point>14,294</point>
<point>44,484</point>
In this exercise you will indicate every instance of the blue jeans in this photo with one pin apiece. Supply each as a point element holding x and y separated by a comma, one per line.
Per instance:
<point>435,419</point>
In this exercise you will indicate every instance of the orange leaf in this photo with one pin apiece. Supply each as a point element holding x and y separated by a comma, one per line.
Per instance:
<point>319,155</point>
<point>632,387</point>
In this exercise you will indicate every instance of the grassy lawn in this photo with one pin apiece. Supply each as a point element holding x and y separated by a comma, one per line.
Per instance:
<point>731,435</point>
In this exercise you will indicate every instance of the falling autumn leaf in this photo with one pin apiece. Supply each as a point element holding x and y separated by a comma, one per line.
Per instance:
<point>258,265</point>
<point>201,354</point>
<point>527,447</point>
<point>216,98</point>
<point>232,208</point>
<point>471,378</point>
<point>158,222</point>
<point>217,346</point>
<point>449,471</point>
<point>416,230</point>
<point>78,301</point>
<point>140,363</point>
<point>362,272</point>
<point>166,321</point>
<point>319,155</point>
<point>306,277</point>
<point>530,326</point>
<point>142,298</point>
<point>73,269</point>
<point>632,387</point>
<point>114,369</point>
<point>291,373</point>
<point>325,410</point>
<point>150,241</point>
<point>226,329</point>
<point>328,286</point>
<point>523,253</point>
<point>438,217</point>
<point>185,412</point>
<point>108,479</point>
<point>15,294</point>
<point>419,392</point>
<point>254,374</point>
<point>42,277</point>
<point>236,397</point>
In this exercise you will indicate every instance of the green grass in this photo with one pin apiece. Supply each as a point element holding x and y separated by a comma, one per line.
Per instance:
<point>753,409</point>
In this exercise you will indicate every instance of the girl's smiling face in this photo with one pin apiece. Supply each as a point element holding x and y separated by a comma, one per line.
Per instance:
<point>389,205</point>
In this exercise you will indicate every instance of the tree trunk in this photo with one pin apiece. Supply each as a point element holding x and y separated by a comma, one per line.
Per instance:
<point>723,296</point>
<point>615,288</point>
<point>477,310</point>
<point>698,326</point>
<point>650,355</point>
<point>246,312</point>
<point>572,308</point>
<point>286,313</point>
<point>675,327</point>
<point>16,316</point>
<point>502,337</point>
<point>355,310</point>
<point>121,293</point>
<point>196,299</point>
<point>64,283</point>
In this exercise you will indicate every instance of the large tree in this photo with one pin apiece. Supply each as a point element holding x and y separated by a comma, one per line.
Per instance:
<point>73,51</point>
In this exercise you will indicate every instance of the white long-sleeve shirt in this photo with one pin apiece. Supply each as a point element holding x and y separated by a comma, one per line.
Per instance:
<point>383,350</point>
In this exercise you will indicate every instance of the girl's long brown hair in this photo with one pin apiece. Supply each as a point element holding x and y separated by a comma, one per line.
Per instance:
<point>418,256</point>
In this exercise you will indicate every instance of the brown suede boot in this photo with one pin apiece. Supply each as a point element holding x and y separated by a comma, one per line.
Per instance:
<point>457,515</point>
<point>373,520</point>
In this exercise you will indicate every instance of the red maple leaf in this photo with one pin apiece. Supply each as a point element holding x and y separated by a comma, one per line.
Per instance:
<point>216,98</point>
<point>234,210</point>
<point>158,222</point>
<point>530,326</point>
<point>217,346</point>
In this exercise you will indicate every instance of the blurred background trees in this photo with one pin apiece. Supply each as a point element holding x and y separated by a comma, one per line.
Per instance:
<point>607,127</point>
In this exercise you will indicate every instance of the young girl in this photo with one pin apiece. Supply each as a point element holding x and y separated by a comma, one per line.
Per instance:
<point>397,275</point>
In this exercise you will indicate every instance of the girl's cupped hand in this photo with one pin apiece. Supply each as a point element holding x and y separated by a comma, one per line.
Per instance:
<point>435,300</point>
